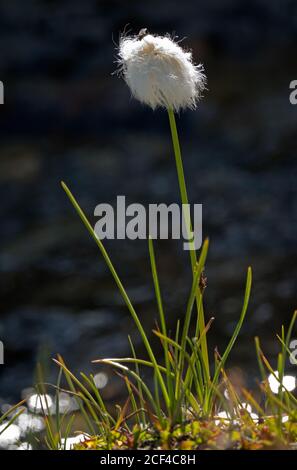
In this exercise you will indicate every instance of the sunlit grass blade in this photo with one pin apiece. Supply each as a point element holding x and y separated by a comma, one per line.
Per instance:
<point>276,377</point>
<point>11,410</point>
<point>11,420</point>
<point>58,415</point>
<point>67,432</point>
<point>70,378</point>
<point>121,289</point>
<point>106,417</point>
<point>122,414</point>
<point>131,360</point>
<point>133,374</point>
<point>85,394</point>
<point>250,399</point>
<point>137,370</point>
<point>234,336</point>
<point>200,374</point>
<point>186,326</point>
<point>162,319</point>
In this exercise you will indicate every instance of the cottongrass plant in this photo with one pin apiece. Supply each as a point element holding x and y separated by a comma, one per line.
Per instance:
<point>191,405</point>
<point>161,74</point>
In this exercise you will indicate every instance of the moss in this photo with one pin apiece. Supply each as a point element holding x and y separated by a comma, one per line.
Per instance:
<point>200,435</point>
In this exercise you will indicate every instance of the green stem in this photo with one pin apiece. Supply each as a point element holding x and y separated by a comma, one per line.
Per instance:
<point>184,199</point>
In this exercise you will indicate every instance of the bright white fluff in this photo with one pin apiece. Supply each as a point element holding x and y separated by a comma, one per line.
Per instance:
<point>160,73</point>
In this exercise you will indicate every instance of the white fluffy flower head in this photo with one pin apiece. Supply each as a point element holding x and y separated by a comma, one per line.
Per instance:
<point>160,73</point>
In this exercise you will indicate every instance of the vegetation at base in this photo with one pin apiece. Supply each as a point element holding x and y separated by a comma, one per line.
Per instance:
<point>186,401</point>
<point>200,435</point>
<point>190,405</point>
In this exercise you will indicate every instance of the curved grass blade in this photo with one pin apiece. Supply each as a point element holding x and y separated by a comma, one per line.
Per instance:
<point>121,289</point>
<point>234,336</point>
<point>162,318</point>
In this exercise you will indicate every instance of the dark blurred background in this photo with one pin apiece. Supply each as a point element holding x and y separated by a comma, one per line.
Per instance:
<point>67,117</point>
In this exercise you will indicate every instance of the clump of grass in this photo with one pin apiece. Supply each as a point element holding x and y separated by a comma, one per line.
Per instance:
<point>184,379</point>
<point>186,407</point>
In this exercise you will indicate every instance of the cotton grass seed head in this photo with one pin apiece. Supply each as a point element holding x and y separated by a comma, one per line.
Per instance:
<point>159,72</point>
